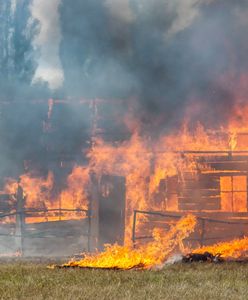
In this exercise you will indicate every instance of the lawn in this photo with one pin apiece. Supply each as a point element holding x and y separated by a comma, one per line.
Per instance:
<point>195,281</point>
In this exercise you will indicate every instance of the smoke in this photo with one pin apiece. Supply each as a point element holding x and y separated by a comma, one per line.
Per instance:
<point>13,6</point>
<point>186,12</point>
<point>165,54</point>
<point>163,58</point>
<point>180,13</point>
<point>47,42</point>
<point>121,9</point>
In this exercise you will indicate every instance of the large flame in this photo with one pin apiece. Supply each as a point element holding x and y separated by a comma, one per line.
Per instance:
<point>38,194</point>
<point>144,163</point>
<point>146,256</point>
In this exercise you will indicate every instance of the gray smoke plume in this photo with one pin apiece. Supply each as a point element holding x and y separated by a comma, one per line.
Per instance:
<point>47,42</point>
<point>163,57</point>
<point>162,53</point>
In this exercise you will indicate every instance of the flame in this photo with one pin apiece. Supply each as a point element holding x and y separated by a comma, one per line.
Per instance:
<point>129,159</point>
<point>38,194</point>
<point>145,163</point>
<point>75,195</point>
<point>146,256</point>
<point>144,166</point>
<point>237,248</point>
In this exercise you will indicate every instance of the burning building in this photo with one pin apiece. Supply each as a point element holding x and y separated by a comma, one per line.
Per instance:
<point>148,125</point>
<point>120,191</point>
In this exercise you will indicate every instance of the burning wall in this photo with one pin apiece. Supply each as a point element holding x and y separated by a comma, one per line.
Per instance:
<point>188,170</point>
<point>179,137</point>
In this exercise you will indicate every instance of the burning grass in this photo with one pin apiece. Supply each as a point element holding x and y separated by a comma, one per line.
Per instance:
<point>235,249</point>
<point>154,254</point>
<point>144,257</point>
<point>180,281</point>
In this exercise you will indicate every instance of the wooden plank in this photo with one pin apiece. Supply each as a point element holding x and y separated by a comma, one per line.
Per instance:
<point>199,193</point>
<point>199,206</point>
<point>202,184</point>
<point>224,231</point>
<point>199,200</point>
<point>207,182</point>
<point>233,166</point>
<point>210,193</point>
<point>64,227</point>
<point>154,218</point>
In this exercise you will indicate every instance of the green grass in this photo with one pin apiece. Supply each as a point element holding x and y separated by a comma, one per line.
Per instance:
<point>196,281</point>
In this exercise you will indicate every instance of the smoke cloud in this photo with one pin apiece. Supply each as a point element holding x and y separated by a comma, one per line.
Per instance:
<point>186,12</point>
<point>47,42</point>
<point>121,9</point>
<point>165,54</point>
<point>164,58</point>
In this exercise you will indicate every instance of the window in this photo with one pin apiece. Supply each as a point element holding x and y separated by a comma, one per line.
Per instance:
<point>233,193</point>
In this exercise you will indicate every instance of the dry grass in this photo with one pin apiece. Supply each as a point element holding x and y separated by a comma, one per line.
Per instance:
<point>196,281</point>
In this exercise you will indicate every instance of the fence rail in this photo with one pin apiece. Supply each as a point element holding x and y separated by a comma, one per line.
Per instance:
<point>202,221</point>
<point>20,227</point>
<point>33,210</point>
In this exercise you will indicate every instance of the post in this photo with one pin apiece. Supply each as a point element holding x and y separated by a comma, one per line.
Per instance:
<point>134,227</point>
<point>20,219</point>
<point>93,214</point>
<point>202,232</point>
<point>60,213</point>
<point>247,191</point>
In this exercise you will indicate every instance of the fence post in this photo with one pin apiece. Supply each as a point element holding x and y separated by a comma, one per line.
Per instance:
<point>93,214</point>
<point>202,232</point>
<point>134,227</point>
<point>89,225</point>
<point>20,219</point>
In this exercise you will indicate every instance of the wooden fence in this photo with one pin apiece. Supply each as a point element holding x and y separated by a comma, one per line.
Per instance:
<point>24,236</point>
<point>207,231</point>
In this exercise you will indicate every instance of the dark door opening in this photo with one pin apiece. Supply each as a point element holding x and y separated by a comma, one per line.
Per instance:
<point>112,210</point>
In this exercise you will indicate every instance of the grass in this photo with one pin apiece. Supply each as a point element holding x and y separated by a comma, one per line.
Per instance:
<point>195,281</point>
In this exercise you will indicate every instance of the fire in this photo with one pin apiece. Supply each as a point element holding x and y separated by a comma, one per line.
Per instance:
<point>36,189</point>
<point>38,194</point>
<point>145,163</point>
<point>146,256</point>
<point>144,166</point>
<point>234,249</point>
<point>75,195</point>
<point>130,159</point>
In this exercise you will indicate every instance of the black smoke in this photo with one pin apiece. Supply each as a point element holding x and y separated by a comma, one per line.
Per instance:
<point>144,59</point>
<point>161,58</point>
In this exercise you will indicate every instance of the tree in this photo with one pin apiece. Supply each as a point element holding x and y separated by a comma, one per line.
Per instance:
<point>17,63</point>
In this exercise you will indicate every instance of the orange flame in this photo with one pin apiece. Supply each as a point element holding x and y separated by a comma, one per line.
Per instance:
<point>38,195</point>
<point>237,248</point>
<point>147,256</point>
<point>145,164</point>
